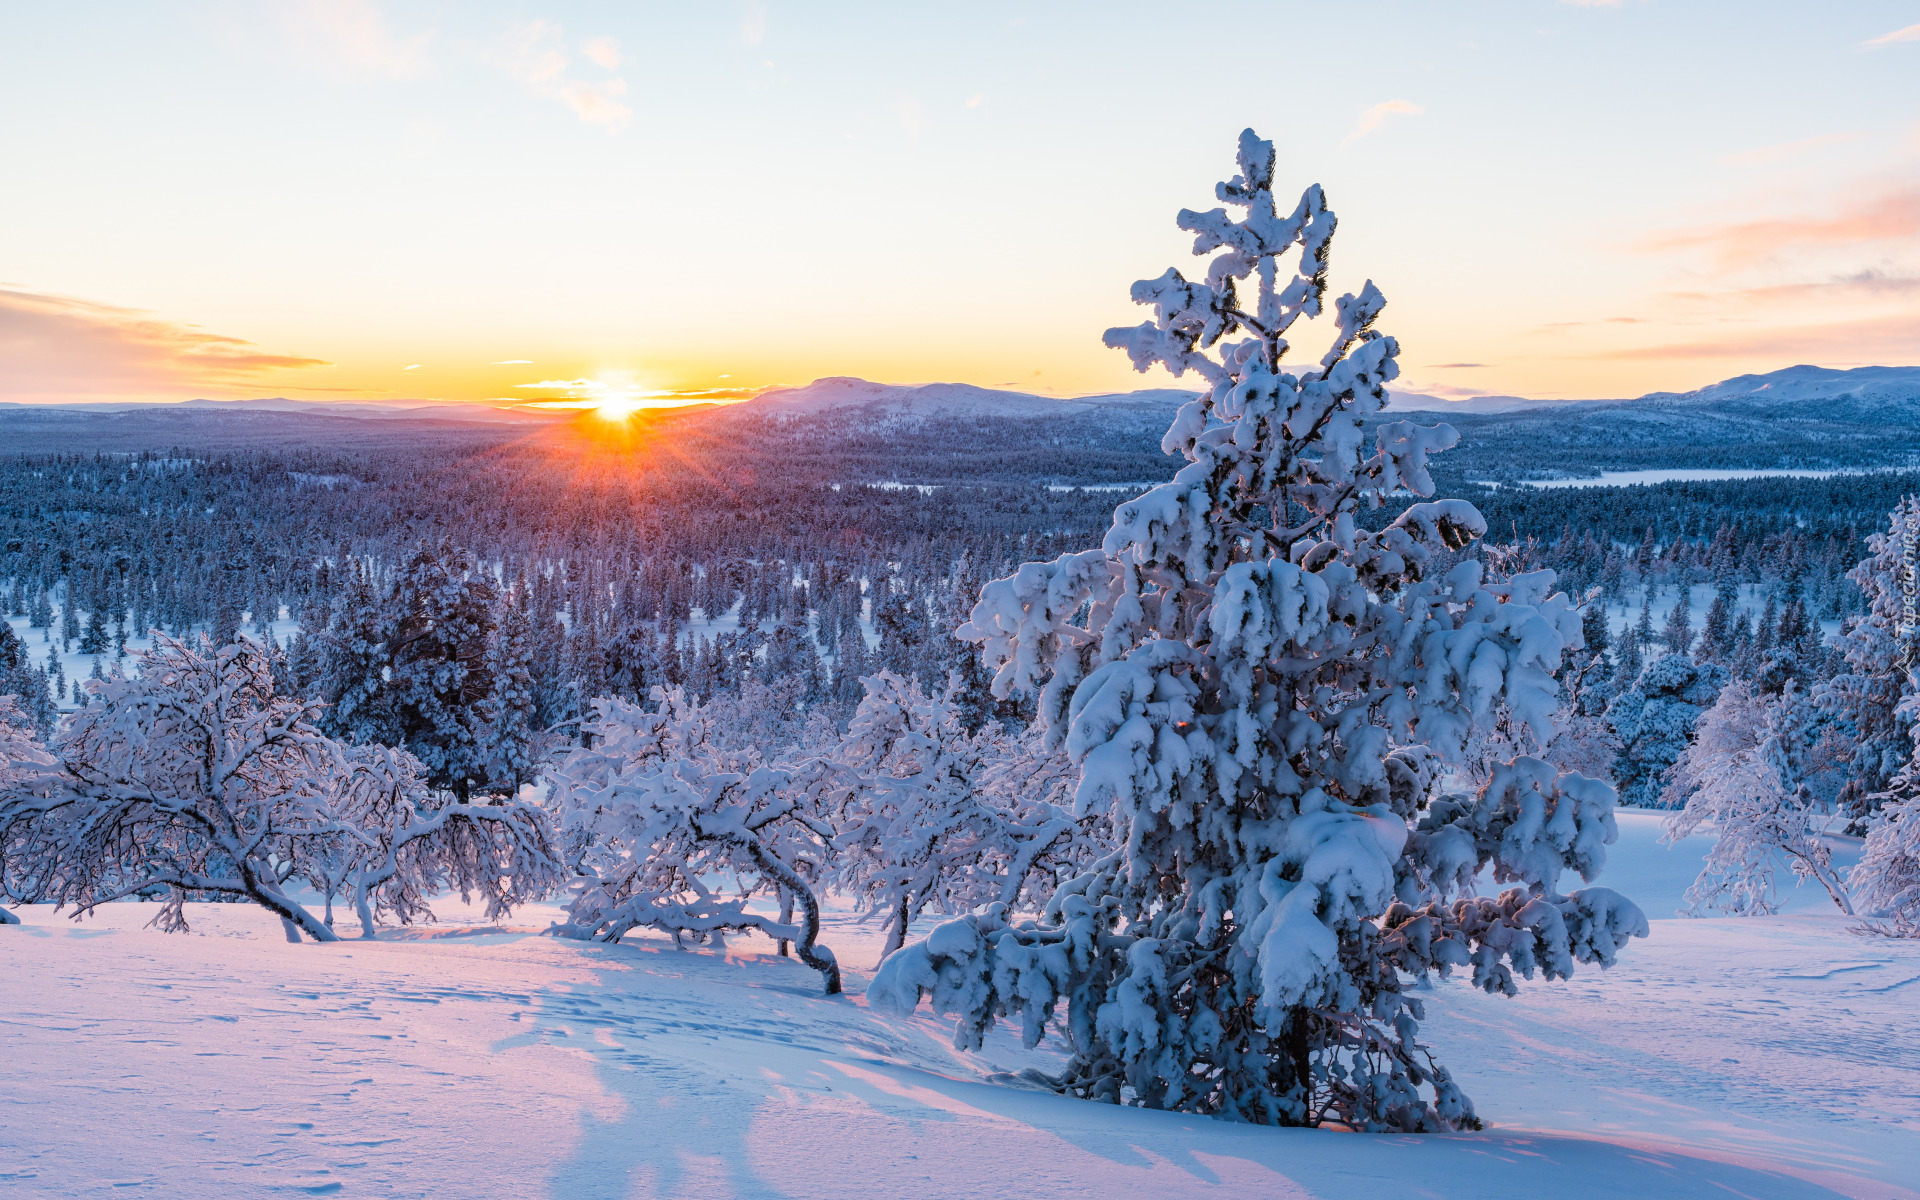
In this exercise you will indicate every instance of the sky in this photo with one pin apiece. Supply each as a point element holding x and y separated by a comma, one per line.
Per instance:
<point>505,202</point>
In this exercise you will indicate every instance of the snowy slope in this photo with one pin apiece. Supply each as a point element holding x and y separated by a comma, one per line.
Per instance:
<point>1767,1058</point>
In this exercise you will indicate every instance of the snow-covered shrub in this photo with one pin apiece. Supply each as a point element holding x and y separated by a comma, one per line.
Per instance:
<point>930,817</point>
<point>23,760</point>
<point>1259,688</point>
<point>667,830</point>
<point>196,776</point>
<point>1654,721</point>
<point>1740,781</point>
<point>398,842</point>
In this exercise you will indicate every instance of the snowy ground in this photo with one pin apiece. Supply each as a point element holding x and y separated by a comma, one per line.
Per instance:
<point>1769,1057</point>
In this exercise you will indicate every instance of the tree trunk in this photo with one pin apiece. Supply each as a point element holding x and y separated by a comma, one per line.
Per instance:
<point>820,958</point>
<point>786,918</point>
<point>365,909</point>
<point>896,931</point>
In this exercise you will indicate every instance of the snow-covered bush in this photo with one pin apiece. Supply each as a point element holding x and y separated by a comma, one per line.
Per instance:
<point>1741,781</point>
<point>1259,689</point>
<point>23,760</point>
<point>667,830</point>
<point>399,842</point>
<point>930,817</point>
<point>196,776</point>
<point>1654,721</point>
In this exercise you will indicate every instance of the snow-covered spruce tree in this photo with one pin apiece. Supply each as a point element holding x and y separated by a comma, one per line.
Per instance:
<point>653,809</point>
<point>1886,880</point>
<point>411,669</point>
<point>1654,720</point>
<point>1878,677</point>
<point>913,805</point>
<point>195,775</point>
<point>1740,779</point>
<point>1259,687</point>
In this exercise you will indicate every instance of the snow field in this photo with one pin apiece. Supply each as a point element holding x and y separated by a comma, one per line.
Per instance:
<point>1759,1057</point>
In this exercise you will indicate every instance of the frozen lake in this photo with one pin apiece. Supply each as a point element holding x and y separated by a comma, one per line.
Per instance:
<point>1690,475</point>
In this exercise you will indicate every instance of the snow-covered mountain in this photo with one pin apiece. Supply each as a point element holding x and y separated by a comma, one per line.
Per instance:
<point>1862,391</point>
<point>952,399</point>
<point>957,399</point>
<point>1426,403</point>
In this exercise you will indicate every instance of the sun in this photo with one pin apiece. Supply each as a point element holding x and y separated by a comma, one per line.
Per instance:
<point>618,408</point>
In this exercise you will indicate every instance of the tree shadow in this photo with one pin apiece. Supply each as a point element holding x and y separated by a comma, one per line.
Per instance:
<point>735,1076</point>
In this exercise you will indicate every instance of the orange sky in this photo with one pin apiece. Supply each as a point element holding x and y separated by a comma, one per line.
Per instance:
<point>353,200</point>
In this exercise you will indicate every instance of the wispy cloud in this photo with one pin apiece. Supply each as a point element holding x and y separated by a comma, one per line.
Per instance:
<point>1766,155</point>
<point>1372,119</point>
<point>62,348</point>
<point>753,23</point>
<point>1869,284</point>
<point>1910,34</point>
<point>1459,366</point>
<point>913,118</point>
<point>535,56</point>
<point>602,52</point>
<point>356,33</point>
<point>1888,216</point>
<point>1889,339</point>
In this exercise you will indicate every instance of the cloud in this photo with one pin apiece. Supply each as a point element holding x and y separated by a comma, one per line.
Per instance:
<point>1910,34</point>
<point>1459,366</point>
<point>602,52</point>
<point>535,56</point>
<point>753,24</point>
<point>912,118</point>
<point>1785,150</point>
<point>1884,217</point>
<point>1375,117</point>
<point>1871,283</point>
<point>413,367</point>
<point>356,33</point>
<point>63,348</point>
<point>1887,340</point>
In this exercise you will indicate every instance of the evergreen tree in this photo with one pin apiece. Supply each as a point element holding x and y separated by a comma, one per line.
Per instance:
<point>1654,720</point>
<point>510,705</point>
<point>1678,631</point>
<point>1716,640</point>
<point>1231,675</point>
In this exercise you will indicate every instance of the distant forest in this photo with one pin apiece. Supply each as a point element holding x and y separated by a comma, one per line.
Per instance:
<point>619,546</point>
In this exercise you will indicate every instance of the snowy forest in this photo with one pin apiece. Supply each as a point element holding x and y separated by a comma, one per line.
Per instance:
<point>1196,747</point>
